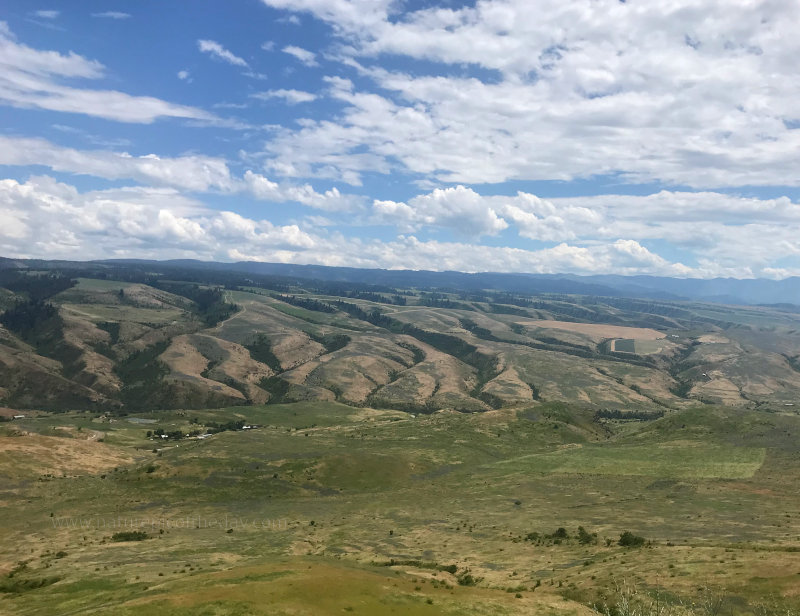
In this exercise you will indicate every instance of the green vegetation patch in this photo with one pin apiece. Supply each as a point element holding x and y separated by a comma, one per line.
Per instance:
<point>673,459</point>
<point>261,350</point>
<point>130,535</point>
<point>625,345</point>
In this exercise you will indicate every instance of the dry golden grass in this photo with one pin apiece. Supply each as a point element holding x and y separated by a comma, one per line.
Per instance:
<point>309,587</point>
<point>598,331</point>
<point>30,455</point>
<point>187,363</point>
<point>720,389</point>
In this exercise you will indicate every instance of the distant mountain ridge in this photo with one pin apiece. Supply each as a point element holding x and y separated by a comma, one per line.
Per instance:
<point>717,290</point>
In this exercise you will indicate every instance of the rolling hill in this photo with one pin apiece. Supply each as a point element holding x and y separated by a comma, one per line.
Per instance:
<point>124,336</point>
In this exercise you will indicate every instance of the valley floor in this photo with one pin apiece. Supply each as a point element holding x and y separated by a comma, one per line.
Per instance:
<point>323,508</point>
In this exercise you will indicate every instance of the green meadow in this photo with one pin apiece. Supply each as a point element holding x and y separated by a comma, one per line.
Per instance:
<point>325,508</point>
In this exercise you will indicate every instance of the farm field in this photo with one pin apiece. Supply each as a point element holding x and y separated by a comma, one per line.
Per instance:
<point>638,347</point>
<point>599,330</point>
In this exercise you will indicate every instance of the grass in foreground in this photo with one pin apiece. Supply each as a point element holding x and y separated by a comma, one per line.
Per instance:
<point>300,515</point>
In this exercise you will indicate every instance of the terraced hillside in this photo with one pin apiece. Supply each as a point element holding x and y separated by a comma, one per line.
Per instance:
<point>128,339</point>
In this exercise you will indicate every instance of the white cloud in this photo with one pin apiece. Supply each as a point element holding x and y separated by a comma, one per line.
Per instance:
<point>184,75</point>
<point>733,232</point>
<point>330,200</point>
<point>690,93</point>
<point>709,228</point>
<point>47,218</point>
<point>459,209</point>
<point>18,58</point>
<point>196,173</point>
<point>112,15</point>
<point>50,218</point>
<point>47,14</point>
<point>303,55</point>
<point>350,15</point>
<point>291,19</point>
<point>218,51</point>
<point>292,97</point>
<point>44,218</point>
<point>230,105</point>
<point>31,78</point>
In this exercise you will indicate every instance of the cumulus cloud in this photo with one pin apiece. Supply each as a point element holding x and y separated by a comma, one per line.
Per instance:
<point>734,232</point>
<point>54,219</point>
<point>31,78</point>
<point>46,218</point>
<point>460,209</point>
<point>330,200</point>
<point>352,15</point>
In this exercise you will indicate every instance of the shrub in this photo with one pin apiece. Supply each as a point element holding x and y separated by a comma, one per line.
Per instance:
<point>467,579</point>
<point>560,533</point>
<point>129,535</point>
<point>19,586</point>
<point>629,540</point>
<point>585,537</point>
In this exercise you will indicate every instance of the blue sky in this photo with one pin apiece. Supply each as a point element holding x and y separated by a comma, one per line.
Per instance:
<point>498,135</point>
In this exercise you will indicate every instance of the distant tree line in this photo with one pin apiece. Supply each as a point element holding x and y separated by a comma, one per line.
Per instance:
<point>445,303</point>
<point>637,305</point>
<point>29,318</point>
<point>395,299</point>
<point>306,302</point>
<point>501,309</point>
<point>212,427</point>
<point>209,305</point>
<point>35,286</point>
<point>620,414</point>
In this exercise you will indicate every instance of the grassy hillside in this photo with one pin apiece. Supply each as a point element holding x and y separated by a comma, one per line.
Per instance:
<point>325,508</point>
<point>133,341</point>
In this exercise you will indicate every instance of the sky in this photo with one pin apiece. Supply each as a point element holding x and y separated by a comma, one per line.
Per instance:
<point>543,136</point>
